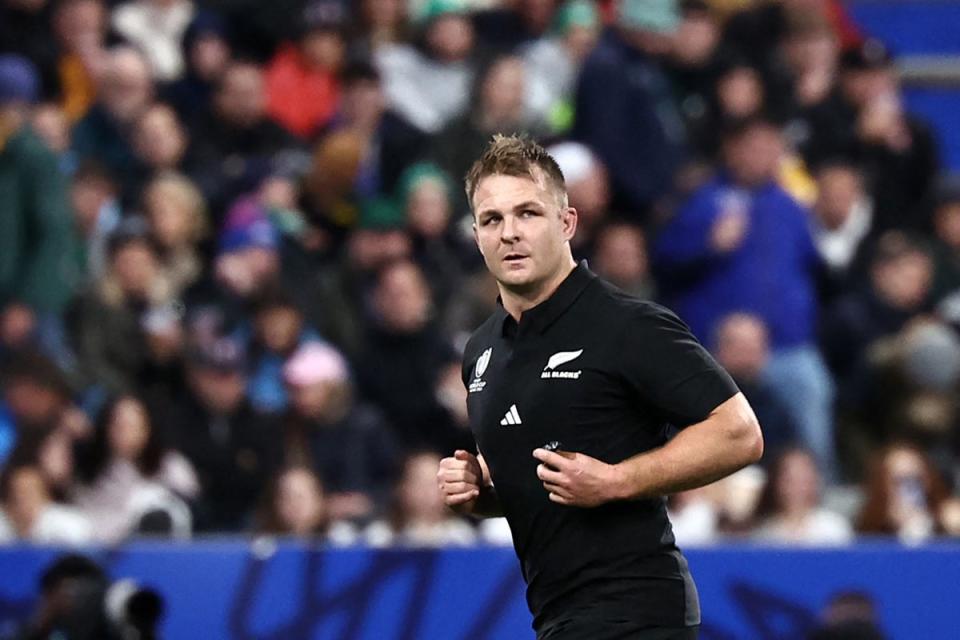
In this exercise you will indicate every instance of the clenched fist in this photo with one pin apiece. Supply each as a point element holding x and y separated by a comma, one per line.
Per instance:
<point>460,479</point>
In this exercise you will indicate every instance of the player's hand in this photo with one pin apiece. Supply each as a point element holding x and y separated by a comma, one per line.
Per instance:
<point>576,479</point>
<point>459,479</point>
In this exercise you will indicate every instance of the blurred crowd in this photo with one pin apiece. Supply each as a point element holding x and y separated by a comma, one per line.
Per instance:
<point>237,266</point>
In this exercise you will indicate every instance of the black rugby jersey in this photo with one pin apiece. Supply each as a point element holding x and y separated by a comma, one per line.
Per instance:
<point>607,375</point>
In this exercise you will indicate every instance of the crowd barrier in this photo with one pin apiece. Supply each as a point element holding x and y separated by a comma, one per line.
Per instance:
<point>264,590</point>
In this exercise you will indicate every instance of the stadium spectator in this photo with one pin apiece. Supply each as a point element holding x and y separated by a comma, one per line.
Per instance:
<point>623,104</point>
<point>97,214</point>
<point>156,28</point>
<point>49,122</point>
<point>896,147</point>
<point>428,83</point>
<point>842,224</point>
<point>279,330</point>
<point>302,83</point>
<point>419,517</point>
<point>508,27</point>
<point>81,32</point>
<point>620,256</point>
<point>248,263</point>
<point>344,439</point>
<point>790,510</point>
<point>693,65</point>
<point>946,224</point>
<point>390,143</point>
<point>295,505</point>
<point>233,449</point>
<point>127,476</point>
<point>206,54</point>
<point>104,134</point>
<point>741,243</point>
<point>440,245</point>
<point>742,347</point>
<point>107,334</point>
<point>588,189</point>
<point>235,137</point>
<point>176,216</point>
<point>36,398</point>
<point>36,235</point>
<point>378,23</point>
<point>898,288</point>
<point>496,106</point>
<point>403,357</point>
<point>159,143</point>
<point>552,64</point>
<point>904,495</point>
<point>29,512</point>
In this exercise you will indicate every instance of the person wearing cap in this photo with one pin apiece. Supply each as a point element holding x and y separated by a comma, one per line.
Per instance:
<point>301,80</point>
<point>234,449</point>
<point>897,146</point>
<point>205,52</point>
<point>347,441</point>
<point>37,241</point>
<point>428,82</point>
<point>553,63</point>
<point>624,107</point>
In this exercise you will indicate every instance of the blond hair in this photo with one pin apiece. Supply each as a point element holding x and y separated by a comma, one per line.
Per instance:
<point>517,156</point>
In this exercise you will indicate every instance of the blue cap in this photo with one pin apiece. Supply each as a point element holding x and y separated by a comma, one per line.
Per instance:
<point>258,234</point>
<point>19,81</point>
<point>659,16</point>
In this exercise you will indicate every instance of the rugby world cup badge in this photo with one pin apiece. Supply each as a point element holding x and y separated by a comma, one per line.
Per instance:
<point>478,370</point>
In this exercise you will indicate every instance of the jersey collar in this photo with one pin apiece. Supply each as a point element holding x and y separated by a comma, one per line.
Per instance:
<point>540,317</point>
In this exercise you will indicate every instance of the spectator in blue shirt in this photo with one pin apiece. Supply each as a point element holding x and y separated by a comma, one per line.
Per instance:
<point>742,244</point>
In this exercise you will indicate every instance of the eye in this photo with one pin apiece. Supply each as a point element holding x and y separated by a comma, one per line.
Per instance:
<point>528,213</point>
<point>489,220</point>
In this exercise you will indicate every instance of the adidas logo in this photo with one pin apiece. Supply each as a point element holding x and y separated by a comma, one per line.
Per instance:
<point>512,417</point>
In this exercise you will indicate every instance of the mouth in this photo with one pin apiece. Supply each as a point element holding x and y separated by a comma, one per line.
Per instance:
<point>514,258</point>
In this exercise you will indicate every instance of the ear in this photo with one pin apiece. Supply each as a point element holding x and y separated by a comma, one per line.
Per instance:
<point>569,219</point>
<point>476,236</point>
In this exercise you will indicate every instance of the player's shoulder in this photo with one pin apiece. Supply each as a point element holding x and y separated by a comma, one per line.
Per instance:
<point>628,307</point>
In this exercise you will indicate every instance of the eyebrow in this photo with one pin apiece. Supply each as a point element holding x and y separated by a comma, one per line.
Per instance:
<point>526,204</point>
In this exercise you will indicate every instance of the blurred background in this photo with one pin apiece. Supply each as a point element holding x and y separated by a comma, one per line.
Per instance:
<point>237,273</point>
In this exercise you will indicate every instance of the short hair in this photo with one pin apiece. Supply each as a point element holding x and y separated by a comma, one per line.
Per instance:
<point>518,156</point>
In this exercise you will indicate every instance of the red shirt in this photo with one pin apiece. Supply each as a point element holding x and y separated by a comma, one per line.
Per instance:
<point>299,97</point>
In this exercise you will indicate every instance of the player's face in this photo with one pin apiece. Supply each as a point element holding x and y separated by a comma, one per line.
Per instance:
<point>522,230</point>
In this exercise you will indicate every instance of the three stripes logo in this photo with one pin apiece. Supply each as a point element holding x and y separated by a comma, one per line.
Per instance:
<point>512,417</point>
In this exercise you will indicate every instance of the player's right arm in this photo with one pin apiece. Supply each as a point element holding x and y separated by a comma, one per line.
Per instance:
<point>466,487</point>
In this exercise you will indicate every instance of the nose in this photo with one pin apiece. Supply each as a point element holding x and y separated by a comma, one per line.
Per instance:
<point>508,230</point>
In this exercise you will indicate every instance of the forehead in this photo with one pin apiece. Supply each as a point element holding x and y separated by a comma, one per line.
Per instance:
<point>503,192</point>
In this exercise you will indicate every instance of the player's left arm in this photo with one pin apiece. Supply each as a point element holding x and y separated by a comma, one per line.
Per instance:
<point>727,440</point>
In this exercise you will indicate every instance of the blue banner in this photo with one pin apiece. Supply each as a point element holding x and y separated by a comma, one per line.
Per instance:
<point>266,591</point>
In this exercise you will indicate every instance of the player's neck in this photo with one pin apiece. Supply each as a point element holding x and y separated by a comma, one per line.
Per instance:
<point>516,301</point>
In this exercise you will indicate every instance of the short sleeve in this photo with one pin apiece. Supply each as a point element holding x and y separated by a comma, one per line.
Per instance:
<point>665,365</point>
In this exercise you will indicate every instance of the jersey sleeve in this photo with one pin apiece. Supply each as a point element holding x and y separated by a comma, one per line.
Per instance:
<point>665,365</point>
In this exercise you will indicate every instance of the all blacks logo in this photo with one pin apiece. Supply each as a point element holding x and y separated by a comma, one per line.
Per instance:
<point>482,362</point>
